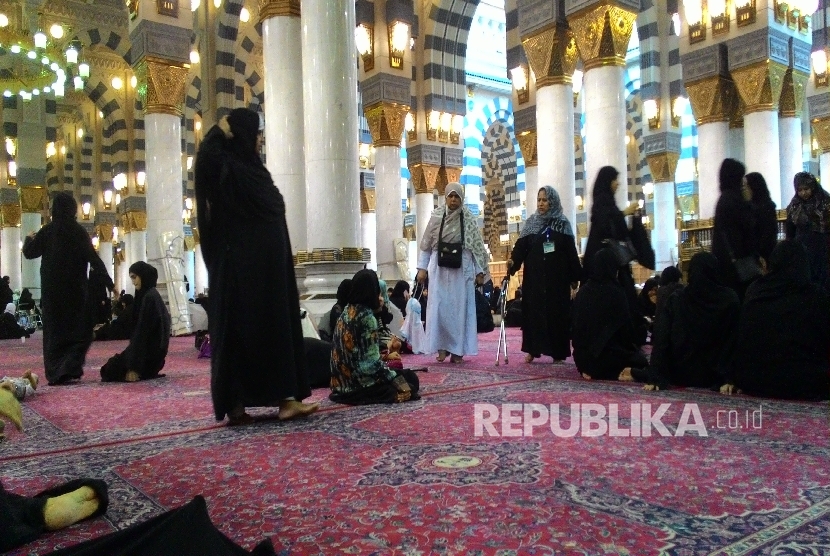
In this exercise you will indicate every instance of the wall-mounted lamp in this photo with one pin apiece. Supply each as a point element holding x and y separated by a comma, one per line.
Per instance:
<point>80,133</point>
<point>678,108</point>
<point>795,14</point>
<point>456,127</point>
<point>115,235</point>
<point>51,150</point>
<point>244,15</point>
<point>85,209</point>
<point>814,147</point>
<point>819,59</point>
<point>95,242</point>
<point>651,110</point>
<point>694,16</point>
<point>11,146</point>
<point>400,17</point>
<point>409,125</point>
<point>578,202</point>
<point>445,127</point>
<point>12,171</point>
<point>364,152</point>
<point>119,181</point>
<point>188,203</point>
<point>745,12</point>
<point>719,15</point>
<point>108,199</point>
<point>577,81</point>
<point>140,181</point>
<point>433,123</point>
<point>117,199</point>
<point>364,37</point>
<point>520,82</point>
<point>648,190</point>
<point>117,83</point>
<point>398,42</point>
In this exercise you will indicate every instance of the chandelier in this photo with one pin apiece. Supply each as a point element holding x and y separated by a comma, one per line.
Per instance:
<point>35,64</point>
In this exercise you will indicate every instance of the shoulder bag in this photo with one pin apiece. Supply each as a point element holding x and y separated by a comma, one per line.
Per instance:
<point>449,254</point>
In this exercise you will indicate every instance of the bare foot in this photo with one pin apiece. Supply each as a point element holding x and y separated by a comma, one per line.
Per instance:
<point>62,511</point>
<point>586,376</point>
<point>132,376</point>
<point>32,378</point>
<point>442,354</point>
<point>529,358</point>
<point>625,375</point>
<point>289,409</point>
<point>651,388</point>
<point>457,359</point>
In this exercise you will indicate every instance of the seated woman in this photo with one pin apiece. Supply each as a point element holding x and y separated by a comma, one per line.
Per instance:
<point>604,335</point>
<point>325,328</point>
<point>358,375</point>
<point>120,327</point>
<point>9,328</point>
<point>670,282</point>
<point>400,296</point>
<point>694,336</point>
<point>390,319</point>
<point>784,332</point>
<point>144,356</point>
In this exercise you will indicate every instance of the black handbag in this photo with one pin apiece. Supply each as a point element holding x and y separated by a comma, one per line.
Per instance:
<point>450,254</point>
<point>746,268</point>
<point>623,251</point>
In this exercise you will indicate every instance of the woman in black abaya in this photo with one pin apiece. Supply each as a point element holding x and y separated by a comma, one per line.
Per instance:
<point>808,222</point>
<point>66,250</point>
<point>257,339</point>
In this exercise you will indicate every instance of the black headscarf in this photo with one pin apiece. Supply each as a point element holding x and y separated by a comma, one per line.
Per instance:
<point>705,300</point>
<point>814,211</point>
<point>64,206</point>
<point>788,272</point>
<point>245,128</point>
<point>365,289</point>
<point>647,306</point>
<point>149,278</point>
<point>343,291</point>
<point>731,175</point>
<point>670,275</point>
<point>602,193</point>
<point>601,307</point>
<point>760,192</point>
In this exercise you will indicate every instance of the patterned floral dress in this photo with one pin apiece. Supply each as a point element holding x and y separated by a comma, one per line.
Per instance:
<point>358,375</point>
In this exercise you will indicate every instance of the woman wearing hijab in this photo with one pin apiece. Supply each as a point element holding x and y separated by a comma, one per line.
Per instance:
<point>647,298</point>
<point>9,327</point>
<point>808,222</point>
<point>144,356</point>
<point>604,335</point>
<point>670,282</point>
<point>608,224</point>
<point>257,339</point>
<point>451,314</point>
<point>694,336</point>
<point>764,215</point>
<point>547,249</point>
<point>66,251</point>
<point>400,296</point>
<point>733,236</point>
<point>390,318</point>
<point>358,374</point>
<point>784,332</point>
<point>26,301</point>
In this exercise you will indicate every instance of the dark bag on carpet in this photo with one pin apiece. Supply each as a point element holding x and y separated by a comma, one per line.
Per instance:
<point>450,254</point>
<point>205,350</point>
<point>200,337</point>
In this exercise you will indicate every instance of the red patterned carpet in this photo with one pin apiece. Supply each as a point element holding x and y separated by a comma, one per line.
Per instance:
<point>414,479</point>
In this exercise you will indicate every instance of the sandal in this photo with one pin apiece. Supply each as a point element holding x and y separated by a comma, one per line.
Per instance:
<point>529,358</point>
<point>240,420</point>
<point>442,354</point>
<point>457,359</point>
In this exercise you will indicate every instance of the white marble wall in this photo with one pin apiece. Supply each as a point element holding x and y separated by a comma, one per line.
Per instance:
<point>284,120</point>
<point>10,256</point>
<point>789,133</point>
<point>164,184</point>
<point>555,146</point>
<point>603,89</point>
<point>713,142</point>
<point>105,254</point>
<point>761,140</point>
<point>330,121</point>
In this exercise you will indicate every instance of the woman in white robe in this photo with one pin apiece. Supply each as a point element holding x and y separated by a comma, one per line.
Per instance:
<point>451,313</point>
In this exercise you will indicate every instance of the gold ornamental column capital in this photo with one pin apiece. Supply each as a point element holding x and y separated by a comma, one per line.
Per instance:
<point>760,85</point>
<point>793,93</point>
<point>104,233</point>
<point>663,166</point>
<point>529,147</point>
<point>602,33</point>
<point>196,237</point>
<point>552,55</point>
<point>278,8</point>
<point>713,99</point>
<point>386,123</point>
<point>821,129</point>
<point>367,201</point>
<point>447,175</point>
<point>137,220</point>
<point>161,85</point>
<point>10,215</point>
<point>424,177</point>
<point>33,198</point>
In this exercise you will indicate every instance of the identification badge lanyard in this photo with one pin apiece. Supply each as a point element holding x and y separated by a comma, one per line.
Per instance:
<point>548,246</point>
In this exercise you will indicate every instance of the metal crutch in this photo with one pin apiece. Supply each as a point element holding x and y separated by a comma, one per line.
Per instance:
<point>502,330</point>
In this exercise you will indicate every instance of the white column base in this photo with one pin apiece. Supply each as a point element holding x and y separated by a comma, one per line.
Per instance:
<point>713,141</point>
<point>11,257</point>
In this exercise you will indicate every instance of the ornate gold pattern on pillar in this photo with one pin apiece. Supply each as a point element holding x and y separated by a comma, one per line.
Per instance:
<point>528,146</point>
<point>736,120</point>
<point>161,86</point>
<point>821,129</point>
<point>602,34</point>
<point>760,85</point>
<point>552,55</point>
<point>367,200</point>
<point>386,123</point>
<point>712,99</point>
<point>663,166</point>
<point>137,220</point>
<point>104,232</point>
<point>11,215</point>
<point>276,8</point>
<point>126,227</point>
<point>33,199</point>
<point>792,94</point>
<point>196,236</point>
<point>453,174</point>
<point>424,177</point>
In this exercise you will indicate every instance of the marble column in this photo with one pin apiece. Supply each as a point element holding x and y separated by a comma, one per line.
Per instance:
<point>759,85</point>
<point>664,230</point>
<point>10,256</point>
<point>282,55</point>
<point>190,271</point>
<point>820,120</point>
<point>32,201</point>
<point>424,166</point>
<point>736,140</point>
<point>712,141</point>
<point>369,238</point>
<point>790,133</point>
<point>330,120</point>
<point>104,222</point>
<point>824,164</point>
<point>200,281</point>
<point>528,144</point>
<point>552,55</point>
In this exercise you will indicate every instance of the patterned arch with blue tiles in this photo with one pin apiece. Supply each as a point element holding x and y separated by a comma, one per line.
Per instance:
<point>475,127</point>
<point>634,126</point>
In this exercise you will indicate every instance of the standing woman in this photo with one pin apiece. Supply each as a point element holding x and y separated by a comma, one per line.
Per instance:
<point>764,215</point>
<point>451,314</point>
<point>257,338</point>
<point>808,222</point>
<point>67,252</point>
<point>547,248</point>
